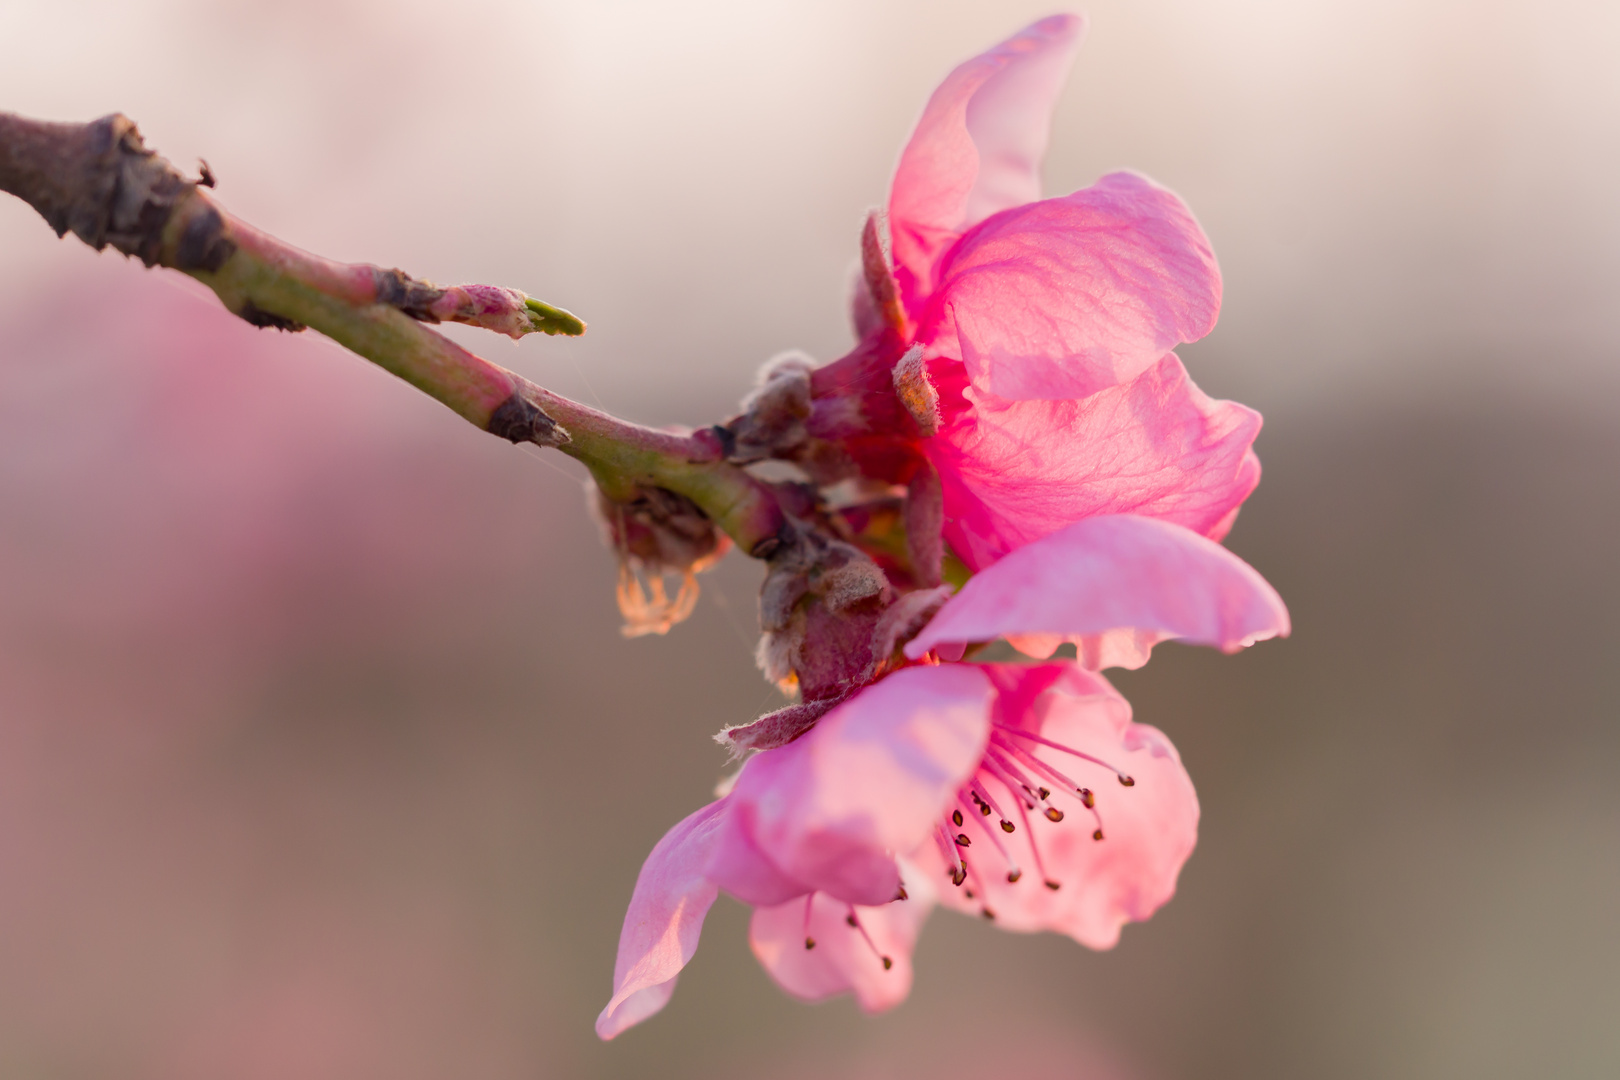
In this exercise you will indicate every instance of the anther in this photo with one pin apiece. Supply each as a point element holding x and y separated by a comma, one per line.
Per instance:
<point>901,895</point>
<point>1013,876</point>
<point>809,943</point>
<point>1045,792</point>
<point>1007,826</point>
<point>956,816</point>
<point>984,808</point>
<point>987,913</point>
<point>958,875</point>
<point>1127,781</point>
<point>962,840</point>
<point>968,893</point>
<point>850,919</point>
<point>1088,798</point>
<point>1053,814</point>
<point>1054,885</point>
<point>1097,835</point>
<point>888,963</point>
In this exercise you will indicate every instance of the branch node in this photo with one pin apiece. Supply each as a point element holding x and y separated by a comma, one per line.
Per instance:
<point>521,420</point>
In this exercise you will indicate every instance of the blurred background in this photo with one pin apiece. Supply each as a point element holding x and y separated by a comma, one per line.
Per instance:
<point>321,754</point>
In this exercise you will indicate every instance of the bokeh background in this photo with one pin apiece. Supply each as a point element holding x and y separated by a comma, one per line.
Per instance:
<point>321,755</point>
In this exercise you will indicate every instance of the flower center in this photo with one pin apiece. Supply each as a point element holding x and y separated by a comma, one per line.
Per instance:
<point>1011,765</point>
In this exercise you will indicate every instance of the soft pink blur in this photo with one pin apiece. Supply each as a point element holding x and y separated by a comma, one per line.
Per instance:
<point>320,752</point>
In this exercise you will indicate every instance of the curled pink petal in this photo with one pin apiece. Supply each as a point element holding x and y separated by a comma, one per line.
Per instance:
<point>813,952</point>
<point>977,148</point>
<point>869,780</point>
<point>665,918</point>
<point>1149,828</point>
<point>1015,471</point>
<point>1066,297</point>
<point>1115,585</point>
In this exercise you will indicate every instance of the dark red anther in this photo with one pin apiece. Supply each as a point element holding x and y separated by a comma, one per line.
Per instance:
<point>1097,835</point>
<point>1127,780</point>
<point>1045,792</point>
<point>1007,826</point>
<point>1054,885</point>
<point>956,816</point>
<point>1088,798</point>
<point>1053,814</point>
<point>809,943</point>
<point>887,963</point>
<point>962,840</point>
<point>1013,876</point>
<point>987,913</point>
<point>850,919</point>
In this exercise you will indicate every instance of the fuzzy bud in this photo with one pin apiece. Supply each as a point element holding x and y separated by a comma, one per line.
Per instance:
<point>772,422</point>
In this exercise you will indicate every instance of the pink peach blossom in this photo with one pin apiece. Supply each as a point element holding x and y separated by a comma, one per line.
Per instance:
<point>837,838</point>
<point>1044,328</point>
<point>1085,480</point>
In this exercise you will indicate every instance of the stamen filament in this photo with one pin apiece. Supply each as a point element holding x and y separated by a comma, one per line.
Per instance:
<point>1043,740</point>
<point>855,921</point>
<point>1083,794</point>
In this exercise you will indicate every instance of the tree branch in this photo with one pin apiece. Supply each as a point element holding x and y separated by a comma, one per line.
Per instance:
<point>99,181</point>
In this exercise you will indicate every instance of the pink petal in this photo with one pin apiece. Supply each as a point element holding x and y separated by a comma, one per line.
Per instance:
<point>737,865</point>
<point>871,779</point>
<point>1149,829</point>
<point>1015,471</point>
<point>661,927</point>
<point>1115,585</point>
<point>1066,297</point>
<point>978,148</point>
<point>842,959</point>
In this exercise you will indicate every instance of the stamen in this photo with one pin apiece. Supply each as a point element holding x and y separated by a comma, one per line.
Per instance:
<point>956,869</point>
<point>1035,849</point>
<point>995,841</point>
<point>986,804</point>
<point>1087,799</point>
<point>809,942</point>
<point>1123,779</point>
<point>1018,785</point>
<point>856,923</point>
